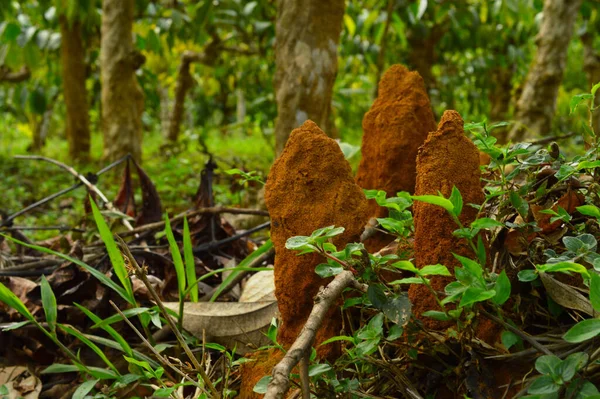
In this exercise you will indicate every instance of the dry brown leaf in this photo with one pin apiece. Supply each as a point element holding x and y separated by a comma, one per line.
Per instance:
<point>231,324</point>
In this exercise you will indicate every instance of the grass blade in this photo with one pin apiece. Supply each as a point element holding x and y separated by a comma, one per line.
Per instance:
<point>242,266</point>
<point>111,331</point>
<point>116,258</point>
<point>190,265</point>
<point>177,261</point>
<point>49,303</point>
<point>94,272</point>
<point>77,334</point>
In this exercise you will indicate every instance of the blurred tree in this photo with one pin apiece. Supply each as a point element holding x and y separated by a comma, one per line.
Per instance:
<point>307,38</point>
<point>122,97</point>
<point>73,78</point>
<point>591,54</point>
<point>535,107</point>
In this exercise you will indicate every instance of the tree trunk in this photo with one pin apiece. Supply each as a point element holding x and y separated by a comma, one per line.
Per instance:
<point>122,97</point>
<point>499,97</point>
<point>591,66</point>
<point>307,36</point>
<point>535,107</point>
<point>74,91</point>
<point>423,55</point>
<point>184,81</point>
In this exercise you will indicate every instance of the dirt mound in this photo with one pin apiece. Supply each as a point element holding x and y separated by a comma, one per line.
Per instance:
<point>446,159</point>
<point>309,186</point>
<point>396,125</point>
<point>394,128</point>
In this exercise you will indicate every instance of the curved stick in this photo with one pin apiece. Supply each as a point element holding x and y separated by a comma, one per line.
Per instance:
<point>324,300</point>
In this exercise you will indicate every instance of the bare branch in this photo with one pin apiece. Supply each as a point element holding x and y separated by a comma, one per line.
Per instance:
<point>324,300</point>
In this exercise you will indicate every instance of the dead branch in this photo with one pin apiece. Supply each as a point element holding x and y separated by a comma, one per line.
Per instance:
<point>6,75</point>
<point>300,349</point>
<point>217,244</point>
<point>92,187</point>
<point>141,274</point>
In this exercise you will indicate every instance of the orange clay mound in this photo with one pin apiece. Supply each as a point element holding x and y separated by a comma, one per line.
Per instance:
<point>448,158</point>
<point>394,129</point>
<point>252,372</point>
<point>310,186</point>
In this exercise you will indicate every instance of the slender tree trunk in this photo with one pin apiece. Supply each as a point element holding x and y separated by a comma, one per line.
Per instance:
<point>122,97</point>
<point>535,108</point>
<point>307,37</point>
<point>184,81</point>
<point>74,91</point>
<point>591,66</point>
<point>499,97</point>
<point>423,56</point>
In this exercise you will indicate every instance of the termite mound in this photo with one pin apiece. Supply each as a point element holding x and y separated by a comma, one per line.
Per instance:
<point>394,128</point>
<point>309,186</point>
<point>446,159</point>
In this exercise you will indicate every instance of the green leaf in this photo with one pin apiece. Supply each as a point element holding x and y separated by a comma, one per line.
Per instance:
<point>111,331</point>
<point>502,289</point>
<point>84,389</point>
<point>435,200</point>
<point>376,295</point>
<point>177,261</point>
<point>164,392</point>
<point>58,368</point>
<point>509,339</point>
<point>577,99</point>
<point>595,291</point>
<point>434,270</point>
<point>437,315</point>
<point>77,334</point>
<point>563,267</point>
<point>14,302</point>
<point>589,210</point>
<point>405,265</point>
<point>519,204</point>
<point>582,331</point>
<point>526,276</point>
<point>297,242</point>
<point>318,369</point>
<point>473,295</point>
<point>422,8</point>
<point>473,267</point>
<point>116,258</point>
<point>543,385</point>
<point>408,280</point>
<point>350,25</point>
<point>190,265</point>
<point>262,384</point>
<point>327,270</point>
<point>49,303</point>
<point>571,365</point>
<point>338,338</point>
<point>37,98</point>
<point>595,88</point>
<point>547,364</point>
<point>456,200</point>
<point>485,223</point>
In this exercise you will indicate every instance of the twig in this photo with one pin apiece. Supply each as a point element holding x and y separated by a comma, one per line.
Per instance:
<point>520,333</point>
<point>255,263</point>
<point>324,300</point>
<point>141,274</point>
<point>160,357</point>
<point>49,198</point>
<point>107,204</point>
<point>203,211</point>
<point>44,228</point>
<point>217,244</point>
